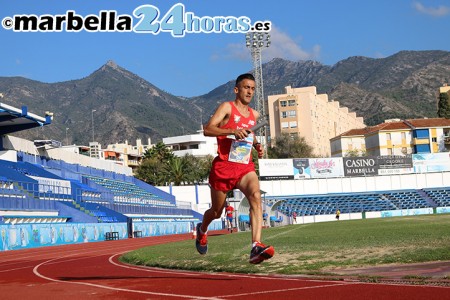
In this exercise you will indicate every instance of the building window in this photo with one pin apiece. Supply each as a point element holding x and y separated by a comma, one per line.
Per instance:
<point>293,124</point>
<point>284,114</point>
<point>388,136</point>
<point>291,103</point>
<point>284,125</point>
<point>404,135</point>
<point>423,148</point>
<point>292,113</point>
<point>421,133</point>
<point>283,103</point>
<point>434,140</point>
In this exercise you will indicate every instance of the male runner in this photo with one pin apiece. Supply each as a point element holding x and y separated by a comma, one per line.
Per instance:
<point>233,167</point>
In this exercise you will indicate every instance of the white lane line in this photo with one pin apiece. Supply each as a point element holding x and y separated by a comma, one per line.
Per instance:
<point>37,273</point>
<point>284,290</point>
<point>15,269</point>
<point>149,269</point>
<point>222,275</point>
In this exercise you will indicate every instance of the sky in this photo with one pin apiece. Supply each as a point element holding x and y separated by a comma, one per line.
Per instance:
<point>194,64</point>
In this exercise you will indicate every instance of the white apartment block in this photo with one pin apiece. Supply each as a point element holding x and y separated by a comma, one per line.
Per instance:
<point>304,112</point>
<point>197,145</point>
<point>444,89</point>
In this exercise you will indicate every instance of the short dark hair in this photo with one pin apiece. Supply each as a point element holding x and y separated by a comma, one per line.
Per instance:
<point>244,76</point>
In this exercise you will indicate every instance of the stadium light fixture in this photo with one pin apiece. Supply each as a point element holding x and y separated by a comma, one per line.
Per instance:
<point>256,41</point>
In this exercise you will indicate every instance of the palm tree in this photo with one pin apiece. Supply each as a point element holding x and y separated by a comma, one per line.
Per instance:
<point>176,171</point>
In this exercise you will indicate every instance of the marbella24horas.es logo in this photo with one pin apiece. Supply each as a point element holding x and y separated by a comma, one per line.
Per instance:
<point>144,19</point>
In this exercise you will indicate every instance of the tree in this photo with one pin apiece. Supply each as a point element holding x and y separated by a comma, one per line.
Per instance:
<point>443,106</point>
<point>290,146</point>
<point>161,167</point>
<point>160,151</point>
<point>196,168</point>
<point>152,171</point>
<point>176,170</point>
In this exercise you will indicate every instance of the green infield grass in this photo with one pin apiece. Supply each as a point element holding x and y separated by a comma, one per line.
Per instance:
<point>314,249</point>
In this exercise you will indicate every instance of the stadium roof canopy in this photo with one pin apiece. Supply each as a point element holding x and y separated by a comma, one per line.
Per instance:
<point>14,119</point>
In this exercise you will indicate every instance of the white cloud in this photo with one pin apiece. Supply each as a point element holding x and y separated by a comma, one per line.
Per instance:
<point>432,11</point>
<point>282,46</point>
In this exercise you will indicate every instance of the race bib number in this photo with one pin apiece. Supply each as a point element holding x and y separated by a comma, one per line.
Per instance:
<point>241,150</point>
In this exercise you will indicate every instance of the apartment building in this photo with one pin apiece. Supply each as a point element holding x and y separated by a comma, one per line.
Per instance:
<point>395,137</point>
<point>197,145</point>
<point>303,112</point>
<point>123,154</point>
<point>126,153</point>
<point>444,89</point>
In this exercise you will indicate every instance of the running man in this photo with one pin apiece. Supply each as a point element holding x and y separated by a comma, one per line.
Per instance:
<point>233,167</point>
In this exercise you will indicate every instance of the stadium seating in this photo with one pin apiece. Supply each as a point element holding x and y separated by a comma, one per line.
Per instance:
<point>130,193</point>
<point>25,219</point>
<point>244,222</point>
<point>441,196</point>
<point>309,205</point>
<point>104,199</point>
<point>406,199</point>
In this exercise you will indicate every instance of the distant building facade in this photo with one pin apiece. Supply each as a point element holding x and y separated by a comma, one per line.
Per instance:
<point>395,137</point>
<point>121,153</point>
<point>303,112</point>
<point>130,155</point>
<point>197,145</point>
<point>444,89</point>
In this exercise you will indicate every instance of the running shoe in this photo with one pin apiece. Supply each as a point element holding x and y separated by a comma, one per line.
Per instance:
<point>261,252</point>
<point>201,242</point>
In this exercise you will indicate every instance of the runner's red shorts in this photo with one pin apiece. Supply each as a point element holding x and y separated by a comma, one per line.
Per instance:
<point>225,175</point>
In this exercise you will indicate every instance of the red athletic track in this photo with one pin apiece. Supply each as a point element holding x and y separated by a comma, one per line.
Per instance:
<point>92,271</point>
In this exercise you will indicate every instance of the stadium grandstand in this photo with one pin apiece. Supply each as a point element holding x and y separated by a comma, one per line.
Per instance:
<point>359,205</point>
<point>47,201</point>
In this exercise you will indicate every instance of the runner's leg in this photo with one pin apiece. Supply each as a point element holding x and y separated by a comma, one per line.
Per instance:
<point>215,211</point>
<point>249,185</point>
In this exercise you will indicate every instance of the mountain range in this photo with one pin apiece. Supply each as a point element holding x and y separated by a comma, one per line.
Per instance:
<point>123,106</point>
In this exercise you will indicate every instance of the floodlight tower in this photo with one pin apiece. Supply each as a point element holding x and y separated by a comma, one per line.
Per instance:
<point>256,41</point>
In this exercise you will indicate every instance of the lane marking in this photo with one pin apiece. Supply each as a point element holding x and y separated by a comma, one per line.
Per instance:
<point>36,272</point>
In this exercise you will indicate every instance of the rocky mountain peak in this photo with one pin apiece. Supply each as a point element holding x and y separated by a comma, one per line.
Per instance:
<point>404,85</point>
